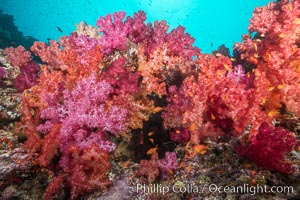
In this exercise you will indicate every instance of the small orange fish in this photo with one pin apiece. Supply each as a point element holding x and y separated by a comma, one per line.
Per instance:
<point>280,87</point>
<point>151,140</point>
<point>271,89</point>
<point>281,35</point>
<point>187,145</point>
<point>126,164</point>
<point>218,54</point>
<point>263,100</point>
<point>255,46</point>
<point>188,169</point>
<point>158,109</point>
<point>152,150</point>
<point>227,67</point>
<point>255,55</point>
<point>212,117</point>
<point>201,149</point>
<point>190,94</point>
<point>193,127</point>
<point>151,133</point>
<point>273,113</point>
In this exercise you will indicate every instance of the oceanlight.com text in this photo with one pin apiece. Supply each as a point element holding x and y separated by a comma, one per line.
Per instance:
<point>212,188</point>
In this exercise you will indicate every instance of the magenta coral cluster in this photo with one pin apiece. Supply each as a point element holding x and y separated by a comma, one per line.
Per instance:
<point>269,148</point>
<point>116,33</point>
<point>180,135</point>
<point>96,90</point>
<point>28,76</point>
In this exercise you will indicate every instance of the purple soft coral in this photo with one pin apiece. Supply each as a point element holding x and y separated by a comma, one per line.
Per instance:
<point>239,75</point>
<point>85,118</point>
<point>168,165</point>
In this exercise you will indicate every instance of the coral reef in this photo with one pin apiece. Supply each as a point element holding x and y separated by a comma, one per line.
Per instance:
<point>128,103</point>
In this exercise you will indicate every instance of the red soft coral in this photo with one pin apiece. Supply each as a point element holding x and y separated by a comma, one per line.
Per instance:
<point>148,169</point>
<point>48,54</point>
<point>54,188</point>
<point>275,54</point>
<point>269,147</point>
<point>87,170</point>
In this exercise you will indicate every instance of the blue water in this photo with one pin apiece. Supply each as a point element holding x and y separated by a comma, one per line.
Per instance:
<point>211,23</point>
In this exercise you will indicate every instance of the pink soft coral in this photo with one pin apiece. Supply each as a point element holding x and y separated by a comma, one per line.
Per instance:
<point>114,32</point>
<point>84,117</point>
<point>17,56</point>
<point>168,165</point>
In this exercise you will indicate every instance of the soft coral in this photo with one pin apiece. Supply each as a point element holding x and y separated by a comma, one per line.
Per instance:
<point>269,147</point>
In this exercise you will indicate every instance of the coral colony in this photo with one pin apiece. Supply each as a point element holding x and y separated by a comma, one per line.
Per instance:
<point>127,82</point>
